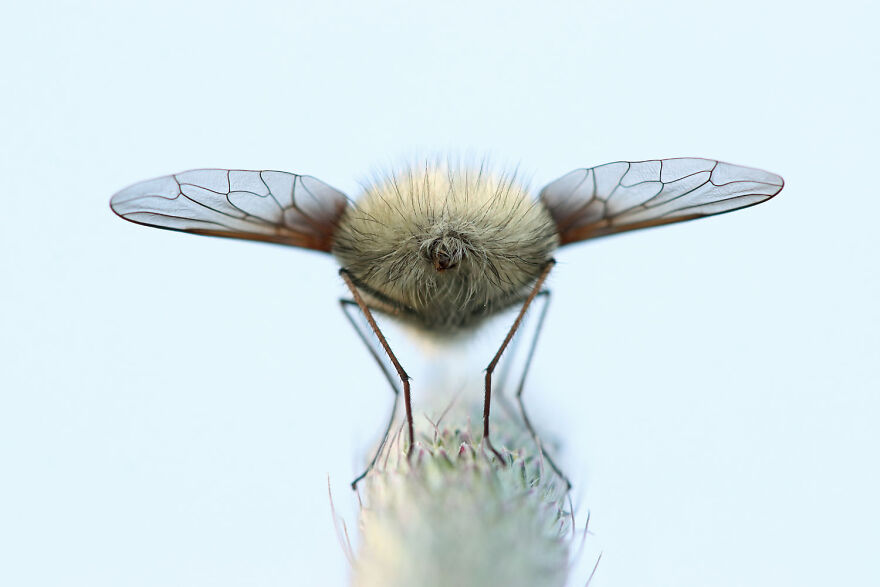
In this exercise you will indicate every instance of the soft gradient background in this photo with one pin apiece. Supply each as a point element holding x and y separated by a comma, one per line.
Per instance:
<point>167,400</point>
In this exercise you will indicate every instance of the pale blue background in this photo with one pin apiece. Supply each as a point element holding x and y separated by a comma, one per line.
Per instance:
<point>166,398</point>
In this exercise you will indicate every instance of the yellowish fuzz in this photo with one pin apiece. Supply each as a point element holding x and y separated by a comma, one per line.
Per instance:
<point>444,246</point>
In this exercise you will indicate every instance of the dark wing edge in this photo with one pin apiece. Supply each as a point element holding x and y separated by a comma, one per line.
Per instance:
<point>269,206</point>
<point>629,195</point>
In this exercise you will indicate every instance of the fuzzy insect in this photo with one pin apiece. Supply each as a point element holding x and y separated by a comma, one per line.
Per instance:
<point>442,246</point>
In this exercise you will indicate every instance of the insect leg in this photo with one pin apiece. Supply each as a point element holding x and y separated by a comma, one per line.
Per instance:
<point>404,378</point>
<point>522,312</point>
<point>502,396</point>
<point>522,381</point>
<point>345,305</point>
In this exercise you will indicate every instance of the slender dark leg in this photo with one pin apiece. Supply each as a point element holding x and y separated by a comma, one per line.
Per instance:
<point>345,304</point>
<point>503,395</point>
<point>404,378</point>
<point>522,381</point>
<point>522,312</point>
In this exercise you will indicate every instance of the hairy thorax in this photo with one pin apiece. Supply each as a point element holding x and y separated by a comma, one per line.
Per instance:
<point>445,247</point>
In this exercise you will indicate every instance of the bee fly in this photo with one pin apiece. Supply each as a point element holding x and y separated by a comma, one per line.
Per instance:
<point>443,247</point>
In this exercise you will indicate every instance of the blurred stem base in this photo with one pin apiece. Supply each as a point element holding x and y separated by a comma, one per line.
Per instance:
<point>456,516</point>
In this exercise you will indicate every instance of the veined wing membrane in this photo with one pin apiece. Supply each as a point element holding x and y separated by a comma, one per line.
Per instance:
<point>616,197</point>
<point>271,206</point>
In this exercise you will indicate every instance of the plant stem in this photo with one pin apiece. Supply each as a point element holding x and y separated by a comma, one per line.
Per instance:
<point>456,516</point>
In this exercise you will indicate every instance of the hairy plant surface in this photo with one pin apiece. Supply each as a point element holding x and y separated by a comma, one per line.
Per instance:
<point>456,516</point>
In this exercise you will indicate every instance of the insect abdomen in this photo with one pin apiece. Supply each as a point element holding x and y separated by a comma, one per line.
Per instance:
<point>448,246</point>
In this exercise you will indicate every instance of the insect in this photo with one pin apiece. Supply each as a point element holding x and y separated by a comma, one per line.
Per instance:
<point>443,246</point>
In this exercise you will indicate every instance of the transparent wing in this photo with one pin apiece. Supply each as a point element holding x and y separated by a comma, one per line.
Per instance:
<point>615,197</point>
<point>271,206</point>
